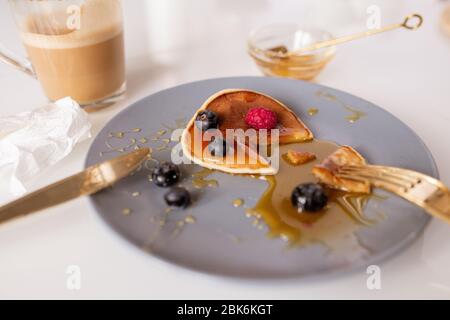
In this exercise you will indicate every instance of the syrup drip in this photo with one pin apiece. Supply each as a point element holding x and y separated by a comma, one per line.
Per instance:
<point>121,134</point>
<point>354,115</point>
<point>111,148</point>
<point>199,180</point>
<point>126,211</point>
<point>164,143</point>
<point>179,123</point>
<point>237,203</point>
<point>166,222</point>
<point>181,224</point>
<point>313,111</point>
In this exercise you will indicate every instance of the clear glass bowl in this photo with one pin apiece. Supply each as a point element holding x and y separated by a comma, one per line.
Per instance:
<point>271,48</point>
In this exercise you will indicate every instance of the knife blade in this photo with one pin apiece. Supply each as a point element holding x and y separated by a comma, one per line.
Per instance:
<point>87,182</point>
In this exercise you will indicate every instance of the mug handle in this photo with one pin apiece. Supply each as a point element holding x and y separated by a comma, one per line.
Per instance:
<point>10,59</point>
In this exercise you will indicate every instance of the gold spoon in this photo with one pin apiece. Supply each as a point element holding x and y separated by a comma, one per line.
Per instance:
<point>408,23</point>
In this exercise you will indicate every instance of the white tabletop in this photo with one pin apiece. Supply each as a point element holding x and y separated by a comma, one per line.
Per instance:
<point>176,41</point>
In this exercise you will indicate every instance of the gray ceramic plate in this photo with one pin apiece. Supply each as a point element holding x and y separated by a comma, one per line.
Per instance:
<point>223,240</point>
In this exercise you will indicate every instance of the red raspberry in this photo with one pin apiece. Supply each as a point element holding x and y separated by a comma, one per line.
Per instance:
<point>261,118</point>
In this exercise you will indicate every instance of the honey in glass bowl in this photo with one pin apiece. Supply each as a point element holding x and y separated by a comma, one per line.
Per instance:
<point>273,50</point>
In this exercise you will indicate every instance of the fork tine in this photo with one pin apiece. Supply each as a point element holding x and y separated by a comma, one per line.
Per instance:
<point>376,181</point>
<point>351,176</point>
<point>386,174</point>
<point>418,188</point>
<point>379,170</point>
<point>400,173</point>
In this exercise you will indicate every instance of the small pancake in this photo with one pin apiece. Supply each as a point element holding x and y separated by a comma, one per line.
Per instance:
<point>326,171</point>
<point>232,106</point>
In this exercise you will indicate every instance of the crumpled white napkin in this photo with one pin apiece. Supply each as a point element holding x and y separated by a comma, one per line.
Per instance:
<point>33,141</point>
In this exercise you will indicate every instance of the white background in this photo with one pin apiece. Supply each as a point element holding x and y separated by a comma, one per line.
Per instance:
<point>170,42</point>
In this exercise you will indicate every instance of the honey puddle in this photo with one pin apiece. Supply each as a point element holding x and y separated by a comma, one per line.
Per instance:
<point>334,227</point>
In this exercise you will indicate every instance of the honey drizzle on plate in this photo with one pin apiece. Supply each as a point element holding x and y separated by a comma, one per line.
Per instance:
<point>354,115</point>
<point>237,203</point>
<point>199,180</point>
<point>334,227</point>
<point>313,111</point>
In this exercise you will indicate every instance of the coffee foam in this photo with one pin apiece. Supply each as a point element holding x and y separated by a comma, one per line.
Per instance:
<point>100,21</point>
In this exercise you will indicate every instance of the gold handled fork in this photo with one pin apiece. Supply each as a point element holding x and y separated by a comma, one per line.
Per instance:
<point>420,189</point>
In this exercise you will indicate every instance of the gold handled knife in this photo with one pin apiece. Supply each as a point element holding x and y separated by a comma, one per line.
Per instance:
<point>90,181</point>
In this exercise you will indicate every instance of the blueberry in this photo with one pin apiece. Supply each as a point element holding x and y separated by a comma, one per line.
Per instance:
<point>309,197</point>
<point>218,147</point>
<point>166,175</point>
<point>206,120</point>
<point>178,197</point>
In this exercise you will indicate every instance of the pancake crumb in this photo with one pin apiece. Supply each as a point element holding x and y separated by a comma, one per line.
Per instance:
<point>297,158</point>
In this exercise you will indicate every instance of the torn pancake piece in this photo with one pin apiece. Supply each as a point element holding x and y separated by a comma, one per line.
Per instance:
<point>297,158</point>
<point>327,170</point>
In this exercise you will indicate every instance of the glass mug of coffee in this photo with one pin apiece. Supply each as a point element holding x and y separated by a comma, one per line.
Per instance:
<point>75,48</point>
